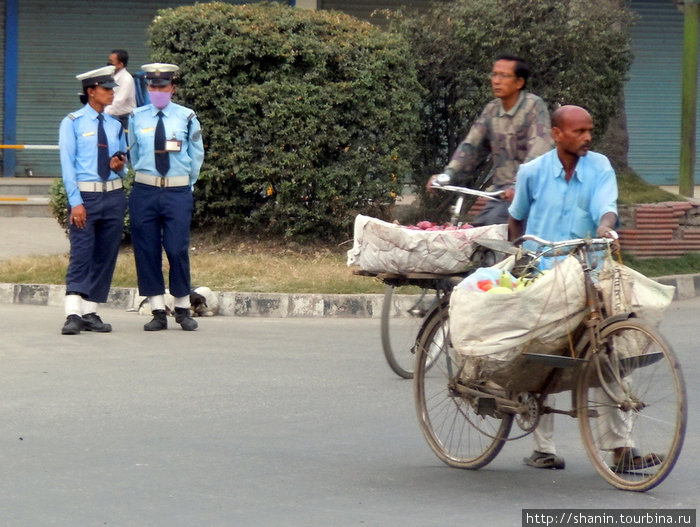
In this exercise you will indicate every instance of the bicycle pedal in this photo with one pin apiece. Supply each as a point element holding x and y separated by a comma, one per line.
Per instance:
<point>486,406</point>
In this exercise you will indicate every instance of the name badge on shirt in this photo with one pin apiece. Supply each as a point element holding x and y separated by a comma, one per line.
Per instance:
<point>173,145</point>
<point>146,130</point>
<point>88,134</point>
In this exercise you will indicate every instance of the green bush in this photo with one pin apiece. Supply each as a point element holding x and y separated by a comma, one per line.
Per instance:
<point>579,54</point>
<point>308,117</point>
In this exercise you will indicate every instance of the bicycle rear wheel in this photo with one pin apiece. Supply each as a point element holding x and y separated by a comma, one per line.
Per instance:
<point>632,394</point>
<point>459,436</point>
<point>399,332</point>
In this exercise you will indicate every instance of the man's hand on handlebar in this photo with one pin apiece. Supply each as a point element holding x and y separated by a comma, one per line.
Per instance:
<point>606,232</point>
<point>437,180</point>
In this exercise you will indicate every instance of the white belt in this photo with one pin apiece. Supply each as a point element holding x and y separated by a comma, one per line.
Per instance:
<point>162,181</point>
<point>100,186</point>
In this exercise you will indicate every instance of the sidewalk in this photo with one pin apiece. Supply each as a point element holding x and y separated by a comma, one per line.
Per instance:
<point>36,236</point>
<point>31,236</point>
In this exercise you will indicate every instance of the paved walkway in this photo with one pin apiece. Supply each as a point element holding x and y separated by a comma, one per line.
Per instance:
<point>35,236</point>
<point>31,236</point>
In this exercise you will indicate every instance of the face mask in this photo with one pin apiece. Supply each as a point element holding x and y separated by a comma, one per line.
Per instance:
<point>160,99</point>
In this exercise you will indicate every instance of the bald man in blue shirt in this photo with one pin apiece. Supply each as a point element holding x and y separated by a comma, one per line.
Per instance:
<point>567,193</point>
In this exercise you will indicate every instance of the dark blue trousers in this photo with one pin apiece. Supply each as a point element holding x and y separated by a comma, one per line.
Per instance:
<point>160,219</point>
<point>94,248</point>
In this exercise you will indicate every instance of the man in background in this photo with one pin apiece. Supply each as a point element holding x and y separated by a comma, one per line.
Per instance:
<point>513,128</point>
<point>125,93</point>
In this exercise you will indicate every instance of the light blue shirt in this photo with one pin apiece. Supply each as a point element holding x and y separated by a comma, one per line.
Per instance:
<point>556,210</point>
<point>181,124</point>
<point>77,142</point>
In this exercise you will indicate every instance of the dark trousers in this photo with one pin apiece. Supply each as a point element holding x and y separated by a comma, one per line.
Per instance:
<point>94,248</point>
<point>160,219</point>
<point>494,212</point>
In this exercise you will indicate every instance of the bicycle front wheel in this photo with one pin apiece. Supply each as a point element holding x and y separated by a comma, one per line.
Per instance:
<point>631,395</point>
<point>402,317</point>
<point>459,436</point>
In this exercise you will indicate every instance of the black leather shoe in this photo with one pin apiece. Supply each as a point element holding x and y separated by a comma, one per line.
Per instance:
<point>182,317</point>
<point>93,322</point>
<point>72,326</point>
<point>160,321</point>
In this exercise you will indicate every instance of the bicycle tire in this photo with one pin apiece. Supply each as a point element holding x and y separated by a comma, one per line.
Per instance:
<point>634,378</point>
<point>456,434</point>
<point>399,333</point>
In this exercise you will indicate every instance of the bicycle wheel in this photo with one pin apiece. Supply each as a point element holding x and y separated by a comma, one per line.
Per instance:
<point>459,436</point>
<point>399,332</point>
<point>632,394</point>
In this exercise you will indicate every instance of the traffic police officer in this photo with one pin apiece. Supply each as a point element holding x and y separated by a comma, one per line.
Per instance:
<point>92,147</point>
<point>166,154</point>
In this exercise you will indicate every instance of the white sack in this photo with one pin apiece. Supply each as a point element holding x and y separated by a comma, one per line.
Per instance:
<point>625,289</point>
<point>493,331</point>
<point>383,247</point>
<point>502,326</point>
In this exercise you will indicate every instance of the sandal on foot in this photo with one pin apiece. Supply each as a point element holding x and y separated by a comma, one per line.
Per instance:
<point>632,460</point>
<point>545,460</point>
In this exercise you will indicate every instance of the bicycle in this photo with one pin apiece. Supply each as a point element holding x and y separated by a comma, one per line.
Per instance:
<point>398,333</point>
<point>617,365</point>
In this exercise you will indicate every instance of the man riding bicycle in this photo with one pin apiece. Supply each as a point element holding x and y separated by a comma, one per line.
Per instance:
<point>513,128</point>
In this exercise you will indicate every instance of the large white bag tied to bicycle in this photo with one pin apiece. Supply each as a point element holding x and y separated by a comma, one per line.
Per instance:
<point>625,289</point>
<point>494,333</point>
<point>383,247</point>
<point>539,317</point>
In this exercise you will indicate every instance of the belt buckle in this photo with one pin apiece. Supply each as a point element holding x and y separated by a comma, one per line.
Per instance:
<point>162,182</point>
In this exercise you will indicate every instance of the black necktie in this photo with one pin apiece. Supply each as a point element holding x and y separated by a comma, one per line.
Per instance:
<point>162,157</point>
<point>102,149</point>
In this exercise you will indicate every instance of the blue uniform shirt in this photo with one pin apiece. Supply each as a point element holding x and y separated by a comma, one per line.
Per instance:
<point>181,124</point>
<point>556,210</point>
<point>77,141</point>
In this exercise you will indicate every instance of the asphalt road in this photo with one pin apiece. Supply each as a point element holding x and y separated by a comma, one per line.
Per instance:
<point>263,422</point>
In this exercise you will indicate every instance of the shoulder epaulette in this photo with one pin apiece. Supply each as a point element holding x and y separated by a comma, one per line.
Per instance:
<point>139,109</point>
<point>78,113</point>
<point>191,116</point>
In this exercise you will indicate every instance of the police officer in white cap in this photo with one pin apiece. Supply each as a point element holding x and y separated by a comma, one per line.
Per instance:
<point>92,146</point>
<point>166,154</point>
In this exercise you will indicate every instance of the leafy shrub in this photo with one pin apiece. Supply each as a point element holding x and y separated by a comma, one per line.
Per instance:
<point>308,117</point>
<point>578,55</point>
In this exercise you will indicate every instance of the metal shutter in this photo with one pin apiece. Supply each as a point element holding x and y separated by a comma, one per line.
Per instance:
<point>653,93</point>
<point>59,39</point>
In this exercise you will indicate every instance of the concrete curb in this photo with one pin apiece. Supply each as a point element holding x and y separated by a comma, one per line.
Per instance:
<point>274,305</point>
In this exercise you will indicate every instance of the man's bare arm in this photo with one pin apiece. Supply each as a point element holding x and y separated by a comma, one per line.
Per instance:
<point>516,228</point>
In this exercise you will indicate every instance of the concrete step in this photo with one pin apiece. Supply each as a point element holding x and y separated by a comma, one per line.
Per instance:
<point>25,197</point>
<point>25,186</point>
<point>25,206</point>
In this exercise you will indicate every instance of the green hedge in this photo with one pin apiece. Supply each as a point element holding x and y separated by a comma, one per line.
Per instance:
<point>308,117</point>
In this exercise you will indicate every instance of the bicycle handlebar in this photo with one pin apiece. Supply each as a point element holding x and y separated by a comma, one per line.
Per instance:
<point>566,243</point>
<point>466,190</point>
<point>547,246</point>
